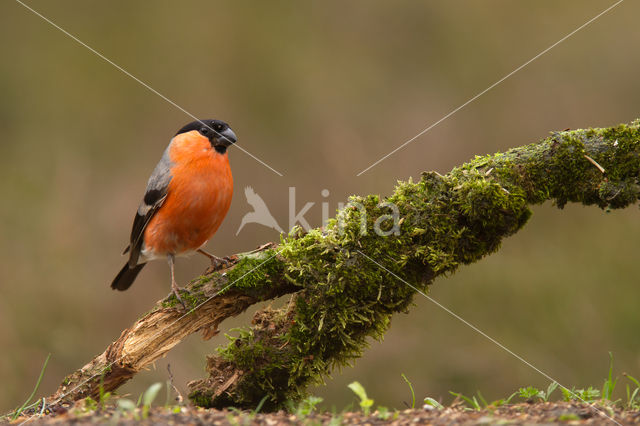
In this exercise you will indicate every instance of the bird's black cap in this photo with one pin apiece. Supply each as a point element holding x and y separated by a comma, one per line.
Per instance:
<point>218,132</point>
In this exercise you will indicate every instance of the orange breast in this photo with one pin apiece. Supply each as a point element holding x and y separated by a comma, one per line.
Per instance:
<point>198,197</point>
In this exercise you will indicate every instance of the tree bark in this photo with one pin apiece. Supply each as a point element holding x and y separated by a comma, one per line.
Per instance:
<point>341,297</point>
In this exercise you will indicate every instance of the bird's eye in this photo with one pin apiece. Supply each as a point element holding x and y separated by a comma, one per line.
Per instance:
<point>204,131</point>
<point>219,127</point>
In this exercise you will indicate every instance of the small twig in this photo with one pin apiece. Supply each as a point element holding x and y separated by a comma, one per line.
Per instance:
<point>285,344</point>
<point>180,398</point>
<point>614,195</point>
<point>226,385</point>
<point>592,161</point>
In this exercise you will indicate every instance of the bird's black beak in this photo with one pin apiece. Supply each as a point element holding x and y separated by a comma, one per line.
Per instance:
<point>226,138</point>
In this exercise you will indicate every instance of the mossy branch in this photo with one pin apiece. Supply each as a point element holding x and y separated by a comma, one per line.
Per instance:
<point>342,298</point>
<point>445,221</point>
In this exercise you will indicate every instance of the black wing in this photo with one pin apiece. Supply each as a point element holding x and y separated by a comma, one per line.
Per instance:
<point>156,193</point>
<point>140,223</point>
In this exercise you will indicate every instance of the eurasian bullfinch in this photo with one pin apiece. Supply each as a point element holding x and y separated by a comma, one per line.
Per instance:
<point>187,197</point>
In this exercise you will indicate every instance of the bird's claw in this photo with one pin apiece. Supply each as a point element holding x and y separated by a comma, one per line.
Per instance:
<point>218,263</point>
<point>176,292</point>
<point>221,262</point>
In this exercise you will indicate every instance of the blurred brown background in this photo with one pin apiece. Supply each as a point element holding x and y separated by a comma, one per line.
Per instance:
<point>319,92</point>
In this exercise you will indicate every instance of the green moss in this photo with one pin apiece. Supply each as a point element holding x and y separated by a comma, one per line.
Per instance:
<point>194,294</point>
<point>200,399</point>
<point>558,169</point>
<point>255,271</point>
<point>191,298</point>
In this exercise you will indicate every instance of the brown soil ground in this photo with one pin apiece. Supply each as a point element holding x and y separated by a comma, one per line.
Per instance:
<point>517,414</point>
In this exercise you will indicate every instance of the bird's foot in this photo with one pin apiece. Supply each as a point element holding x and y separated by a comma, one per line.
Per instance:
<point>221,262</point>
<point>218,263</point>
<point>176,292</point>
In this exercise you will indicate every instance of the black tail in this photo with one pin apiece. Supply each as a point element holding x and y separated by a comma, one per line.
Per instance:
<point>126,277</point>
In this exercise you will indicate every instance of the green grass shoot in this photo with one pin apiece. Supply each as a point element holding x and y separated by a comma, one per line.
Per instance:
<point>19,411</point>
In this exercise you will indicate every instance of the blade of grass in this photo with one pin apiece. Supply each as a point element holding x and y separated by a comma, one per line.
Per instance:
<point>260,404</point>
<point>631,396</point>
<point>473,402</point>
<point>633,379</point>
<point>484,401</point>
<point>35,389</point>
<point>609,384</point>
<point>413,395</point>
<point>508,400</point>
<point>433,403</point>
<point>552,387</point>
